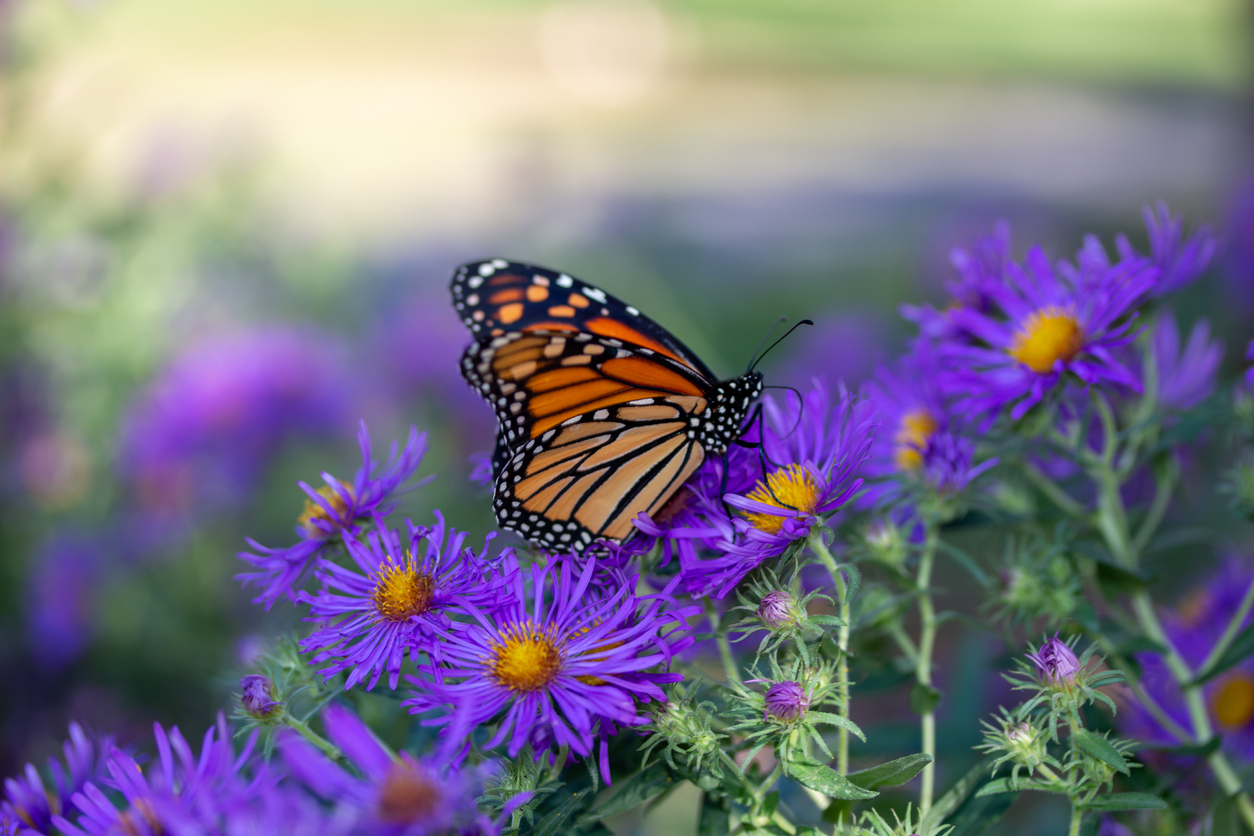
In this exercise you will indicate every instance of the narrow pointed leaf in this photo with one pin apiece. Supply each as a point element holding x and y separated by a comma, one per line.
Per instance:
<point>1126,801</point>
<point>1099,747</point>
<point>891,773</point>
<point>828,781</point>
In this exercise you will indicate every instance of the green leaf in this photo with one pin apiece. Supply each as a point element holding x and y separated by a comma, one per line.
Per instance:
<point>552,823</point>
<point>855,581</point>
<point>1241,648</point>
<point>1196,750</point>
<point>891,773</point>
<point>954,797</point>
<point>977,816</point>
<point>1126,801</point>
<point>837,720</point>
<point>924,698</point>
<point>715,818</point>
<point>828,781</point>
<point>1096,746</point>
<point>636,790</point>
<point>998,785</point>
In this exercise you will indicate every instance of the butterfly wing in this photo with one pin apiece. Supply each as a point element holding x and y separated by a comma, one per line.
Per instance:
<point>496,297</point>
<point>592,432</point>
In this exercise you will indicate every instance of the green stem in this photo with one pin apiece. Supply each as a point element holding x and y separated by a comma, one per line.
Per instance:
<point>316,739</point>
<point>1113,525</point>
<point>923,664</point>
<point>1077,816</point>
<point>1050,488</point>
<point>724,648</point>
<point>1230,633</point>
<point>842,639</point>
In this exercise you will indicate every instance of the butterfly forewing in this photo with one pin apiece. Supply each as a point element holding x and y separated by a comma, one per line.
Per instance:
<point>498,296</point>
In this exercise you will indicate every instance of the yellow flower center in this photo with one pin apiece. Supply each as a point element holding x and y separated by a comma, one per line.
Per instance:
<point>527,659</point>
<point>915,428</point>
<point>589,679</point>
<point>792,487</point>
<point>1233,703</point>
<point>402,592</point>
<point>406,795</point>
<point>1049,335</point>
<point>314,511</point>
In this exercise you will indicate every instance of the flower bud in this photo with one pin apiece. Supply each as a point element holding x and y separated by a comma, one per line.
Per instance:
<point>257,697</point>
<point>886,542</point>
<point>786,702</point>
<point>777,610</point>
<point>1027,744</point>
<point>1056,662</point>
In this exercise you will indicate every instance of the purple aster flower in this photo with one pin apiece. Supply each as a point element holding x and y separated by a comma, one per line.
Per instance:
<point>386,794</point>
<point>785,702</point>
<point>979,269</point>
<point>396,596</point>
<point>181,793</point>
<point>1056,663</point>
<point>1047,327</point>
<point>257,697</point>
<point>332,511</point>
<point>1187,378</point>
<point>554,663</point>
<point>817,450</point>
<point>1193,627</point>
<point>30,803</point>
<point>1180,262</point>
<point>202,432</point>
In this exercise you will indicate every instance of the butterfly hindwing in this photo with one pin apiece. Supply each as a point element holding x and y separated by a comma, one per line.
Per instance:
<point>498,296</point>
<point>590,476</point>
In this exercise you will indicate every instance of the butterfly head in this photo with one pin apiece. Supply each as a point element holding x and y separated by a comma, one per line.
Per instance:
<point>726,413</point>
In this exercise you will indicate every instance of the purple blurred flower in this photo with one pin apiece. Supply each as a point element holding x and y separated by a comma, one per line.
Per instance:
<point>554,664</point>
<point>1187,378</point>
<point>818,449</point>
<point>1180,263</point>
<point>391,605</point>
<point>332,511</point>
<point>1193,627</point>
<point>1056,663</point>
<point>1047,327</point>
<point>202,432</point>
<point>1249,374</point>
<point>181,793</point>
<point>30,804</point>
<point>59,599</point>
<point>257,696</point>
<point>384,794</point>
<point>785,702</point>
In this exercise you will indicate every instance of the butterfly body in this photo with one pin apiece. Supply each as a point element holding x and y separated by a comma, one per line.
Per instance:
<point>602,413</point>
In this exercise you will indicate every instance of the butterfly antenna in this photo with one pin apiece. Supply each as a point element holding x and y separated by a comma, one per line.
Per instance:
<point>758,357</point>
<point>753,361</point>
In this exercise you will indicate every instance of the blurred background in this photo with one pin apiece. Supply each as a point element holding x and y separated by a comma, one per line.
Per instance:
<point>227,226</point>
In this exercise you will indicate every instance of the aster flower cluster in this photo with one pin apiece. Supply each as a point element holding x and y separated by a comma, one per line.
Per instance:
<point>1026,447</point>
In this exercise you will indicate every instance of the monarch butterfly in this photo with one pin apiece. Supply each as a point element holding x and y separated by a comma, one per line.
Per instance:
<point>602,413</point>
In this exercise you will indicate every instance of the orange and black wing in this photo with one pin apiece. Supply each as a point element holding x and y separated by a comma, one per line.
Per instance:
<point>497,297</point>
<point>592,432</point>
